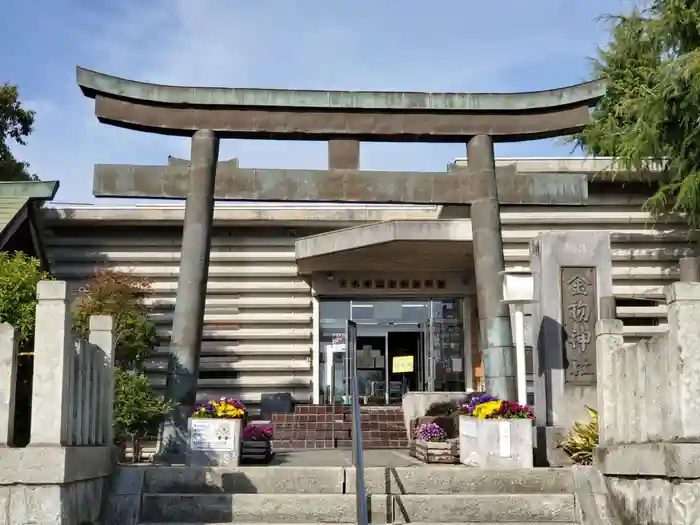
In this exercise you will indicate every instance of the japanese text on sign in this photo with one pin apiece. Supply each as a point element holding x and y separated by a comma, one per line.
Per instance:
<point>579,315</point>
<point>402,364</point>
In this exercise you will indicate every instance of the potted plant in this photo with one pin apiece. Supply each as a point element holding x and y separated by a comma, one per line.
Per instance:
<point>432,444</point>
<point>495,434</point>
<point>257,442</point>
<point>215,429</point>
<point>582,440</point>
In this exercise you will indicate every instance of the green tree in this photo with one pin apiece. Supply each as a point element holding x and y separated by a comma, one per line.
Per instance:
<point>16,123</point>
<point>648,118</point>
<point>121,296</point>
<point>138,410</point>
<point>19,276</point>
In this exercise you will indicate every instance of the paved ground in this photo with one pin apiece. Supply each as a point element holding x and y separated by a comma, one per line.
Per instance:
<point>342,458</point>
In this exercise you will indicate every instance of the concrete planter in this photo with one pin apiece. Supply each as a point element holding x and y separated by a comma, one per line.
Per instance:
<point>214,442</point>
<point>495,443</point>
<point>445,452</point>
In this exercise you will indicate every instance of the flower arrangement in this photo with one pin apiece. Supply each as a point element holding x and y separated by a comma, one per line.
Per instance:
<point>490,407</point>
<point>224,408</point>
<point>257,433</point>
<point>430,432</point>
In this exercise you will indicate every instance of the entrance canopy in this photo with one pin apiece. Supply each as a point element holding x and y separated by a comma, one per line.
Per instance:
<point>415,245</point>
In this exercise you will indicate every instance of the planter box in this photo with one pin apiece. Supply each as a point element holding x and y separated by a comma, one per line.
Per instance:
<point>446,452</point>
<point>214,442</point>
<point>493,443</point>
<point>256,451</point>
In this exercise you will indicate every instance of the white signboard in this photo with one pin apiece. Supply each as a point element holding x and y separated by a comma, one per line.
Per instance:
<point>210,434</point>
<point>504,439</point>
<point>467,427</point>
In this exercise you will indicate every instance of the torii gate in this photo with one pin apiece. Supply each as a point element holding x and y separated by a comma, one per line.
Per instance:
<point>344,119</point>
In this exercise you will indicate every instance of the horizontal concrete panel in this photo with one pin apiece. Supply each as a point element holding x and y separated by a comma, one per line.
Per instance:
<point>626,271</point>
<point>249,333</point>
<point>170,237</point>
<point>247,348</point>
<point>332,215</point>
<point>621,252</point>
<point>212,319</point>
<point>227,287</point>
<point>641,311</point>
<point>167,255</point>
<point>618,233</point>
<point>242,382</point>
<point>589,215</point>
<point>72,270</point>
<point>165,300</point>
<point>214,364</point>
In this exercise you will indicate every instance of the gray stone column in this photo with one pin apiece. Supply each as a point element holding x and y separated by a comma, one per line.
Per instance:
<point>494,317</point>
<point>186,340</point>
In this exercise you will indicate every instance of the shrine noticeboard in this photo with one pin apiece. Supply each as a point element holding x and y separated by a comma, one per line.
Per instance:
<point>402,364</point>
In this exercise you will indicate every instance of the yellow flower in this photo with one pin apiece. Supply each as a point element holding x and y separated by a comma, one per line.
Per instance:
<point>484,410</point>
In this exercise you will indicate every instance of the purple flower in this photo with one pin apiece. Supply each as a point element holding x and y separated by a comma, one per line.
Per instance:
<point>468,408</point>
<point>430,432</point>
<point>257,433</point>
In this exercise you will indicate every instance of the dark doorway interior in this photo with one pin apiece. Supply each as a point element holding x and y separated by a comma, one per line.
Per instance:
<point>400,344</point>
<point>370,368</point>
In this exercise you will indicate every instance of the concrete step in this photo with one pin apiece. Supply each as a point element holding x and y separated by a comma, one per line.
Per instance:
<point>424,479</point>
<point>315,508</point>
<point>354,523</point>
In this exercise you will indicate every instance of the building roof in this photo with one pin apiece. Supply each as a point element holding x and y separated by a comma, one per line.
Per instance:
<point>16,200</point>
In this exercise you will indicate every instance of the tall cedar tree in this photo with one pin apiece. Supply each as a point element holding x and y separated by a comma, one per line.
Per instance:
<point>648,118</point>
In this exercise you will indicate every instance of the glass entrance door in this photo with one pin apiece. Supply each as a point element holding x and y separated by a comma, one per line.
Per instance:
<point>430,331</point>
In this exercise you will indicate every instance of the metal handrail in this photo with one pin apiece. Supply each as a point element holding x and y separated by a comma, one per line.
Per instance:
<point>357,456</point>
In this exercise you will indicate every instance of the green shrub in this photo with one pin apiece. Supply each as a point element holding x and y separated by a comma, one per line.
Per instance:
<point>137,409</point>
<point>19,276</point>
<point>441,408</point>
<point>582,440</point>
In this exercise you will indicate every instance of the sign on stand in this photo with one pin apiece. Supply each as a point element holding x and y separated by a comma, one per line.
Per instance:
<point>211,434</point>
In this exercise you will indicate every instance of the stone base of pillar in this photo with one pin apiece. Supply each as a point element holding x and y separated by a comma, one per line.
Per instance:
<point>548,453</point>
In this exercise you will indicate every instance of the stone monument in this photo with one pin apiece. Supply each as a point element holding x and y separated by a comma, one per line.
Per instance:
<point>571,271</point>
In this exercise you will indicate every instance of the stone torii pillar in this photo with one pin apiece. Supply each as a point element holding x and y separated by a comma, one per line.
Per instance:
<point>188,322</point>
<point>494,316</point>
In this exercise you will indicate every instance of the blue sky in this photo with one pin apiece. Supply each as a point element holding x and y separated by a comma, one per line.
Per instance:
<point>441,45</point>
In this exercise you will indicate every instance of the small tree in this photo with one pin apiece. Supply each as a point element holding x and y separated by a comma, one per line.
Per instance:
<point>137,410</point>
<point>121,296</point>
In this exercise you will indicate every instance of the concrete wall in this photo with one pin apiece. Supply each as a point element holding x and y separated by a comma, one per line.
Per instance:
<point>649,400</point>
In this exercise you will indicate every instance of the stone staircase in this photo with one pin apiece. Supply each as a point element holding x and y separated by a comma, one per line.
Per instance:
<point>289,494</point>
<point>311,427</point>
